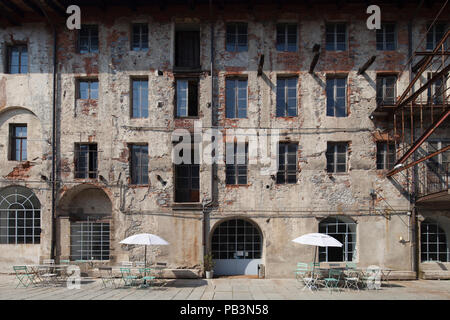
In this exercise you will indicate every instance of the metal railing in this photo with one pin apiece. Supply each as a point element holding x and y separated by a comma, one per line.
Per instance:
<point>434,178</point>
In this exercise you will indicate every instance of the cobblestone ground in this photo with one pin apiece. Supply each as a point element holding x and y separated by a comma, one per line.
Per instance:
<point>222,289</point>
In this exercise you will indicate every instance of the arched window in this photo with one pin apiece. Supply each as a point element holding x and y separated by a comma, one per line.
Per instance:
<point>20,216</point>
<point>434,246</point>
<point>236,239</point>
<point>344,232</point>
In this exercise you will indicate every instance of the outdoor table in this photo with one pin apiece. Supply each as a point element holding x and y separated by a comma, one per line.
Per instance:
<point>36,268</point>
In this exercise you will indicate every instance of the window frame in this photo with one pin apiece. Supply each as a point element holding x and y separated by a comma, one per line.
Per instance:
<point>193,172</point>
<point>89,81</point>
<point>333,112</point>
<point>386,153</point>
<point>142,41</point>
<point>232,170</point>
<point>437,243</point>
<point>93,32</point>
<point>384,33</point>
<point>326,223</point>
<point>335,36</point>
<point>286,173</point>
<point>430,46</point>
<point>286,89</point>
<point>91,158</point>
<point>91,234</point>
<point>235,35</point>
<point>139,108</point>
<point>285,44</point>
<point>142,169</point>
<point>188,81</point>
<point>383,101</point>
<point>9,50</point>
<point>13,139</point>
<point>335,154</point>
<point>236,81</point>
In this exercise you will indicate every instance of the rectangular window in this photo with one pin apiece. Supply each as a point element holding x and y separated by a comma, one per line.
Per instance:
<point>386,93</point>
<point>236,40</point>
<point>386,37</point>
<point>89,240</point>
<point>287,97</point>
<point>88,39</point>
<point>139,164</point>
<point>187,49</point>
<point>385,155</point>
<point>140,98</point>
<point>139,37</point>
<point>287,37</point>
<point>187,177</point>
<point>187,97</point>
<point>86,160</point>
<point>88,89</point>
<point>18,142</point>
<point>236,163</point>
<point>336,37</point>
<point>17,59</point>
<point>435,35</point>
<point>336,97</point>
<point>336,157</point>
<point>287,163</point>
<point>436,93</point>
<point>236,98</point>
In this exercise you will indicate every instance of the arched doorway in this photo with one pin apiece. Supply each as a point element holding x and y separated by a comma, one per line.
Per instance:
<point>88,210</point>
<point>20,216</point>
<point>236,246</point>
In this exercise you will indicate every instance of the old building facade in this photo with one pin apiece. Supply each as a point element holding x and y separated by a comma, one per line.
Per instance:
<point>130,77</point>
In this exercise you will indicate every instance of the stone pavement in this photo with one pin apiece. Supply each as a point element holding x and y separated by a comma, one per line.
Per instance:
<point>223,289</point>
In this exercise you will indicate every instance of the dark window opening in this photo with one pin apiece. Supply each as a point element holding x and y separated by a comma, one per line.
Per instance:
<point>286,37</point>
<point>187,177</point>
<point>385,37</point>
<point>236,38</point>
<point>287,163</point>
<point>286,97</point>
<point>86,158</point>
<point>386,92</point>
<point>236,98</point>
<point>18,142</point>
<point>336,89</point>
<point>433,242</point>
<point>435,34</point>
<point>187,49</point>
<point>139,164</point>
<point>88,39</point>
<point>17,59</point>
<point>139,37</point>
<point>236,163</point>
<point>345,233</point>
<point>336,37</point>
<point>385,155</point>
<point>187,98</point>
<point>336,157</point>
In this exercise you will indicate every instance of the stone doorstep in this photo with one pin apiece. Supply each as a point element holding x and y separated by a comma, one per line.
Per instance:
<point>166,274</point>
<point>435,275</point>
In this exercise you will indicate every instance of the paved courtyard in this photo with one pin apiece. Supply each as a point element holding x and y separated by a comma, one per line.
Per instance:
<point>222,289</point>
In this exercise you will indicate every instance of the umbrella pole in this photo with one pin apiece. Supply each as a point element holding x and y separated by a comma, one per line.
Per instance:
<point>145,265</point>
<point>314,264</point>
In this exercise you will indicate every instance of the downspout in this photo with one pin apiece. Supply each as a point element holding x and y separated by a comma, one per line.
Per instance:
<point>53,177</point>
<point>211,201</point>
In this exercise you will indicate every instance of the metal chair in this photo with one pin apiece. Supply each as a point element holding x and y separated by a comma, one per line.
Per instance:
<point>107,276</point>
<point>127,278</point>
<point>146,276</point>
<point>351,277</point>
<point>303,274</point>
<point>332,282</point>
<point>24,276</point>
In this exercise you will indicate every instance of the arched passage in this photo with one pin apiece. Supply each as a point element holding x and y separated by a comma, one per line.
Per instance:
<point>236,246</point>
<point>88,210</point>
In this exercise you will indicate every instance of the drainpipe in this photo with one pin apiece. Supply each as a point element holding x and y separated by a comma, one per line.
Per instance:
<point>53,179</point>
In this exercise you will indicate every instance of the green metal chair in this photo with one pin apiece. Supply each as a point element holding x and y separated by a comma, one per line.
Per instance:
<point>332,282</point>
<point>24,276</point>
<point>351,276</point>
<point>303,274</point>
<point>107,276</point>
<point>146,276</point>
<point>127,278</point>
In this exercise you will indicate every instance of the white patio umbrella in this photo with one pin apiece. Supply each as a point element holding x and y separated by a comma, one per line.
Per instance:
<point>318,240</point>
<point>146,239</point>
